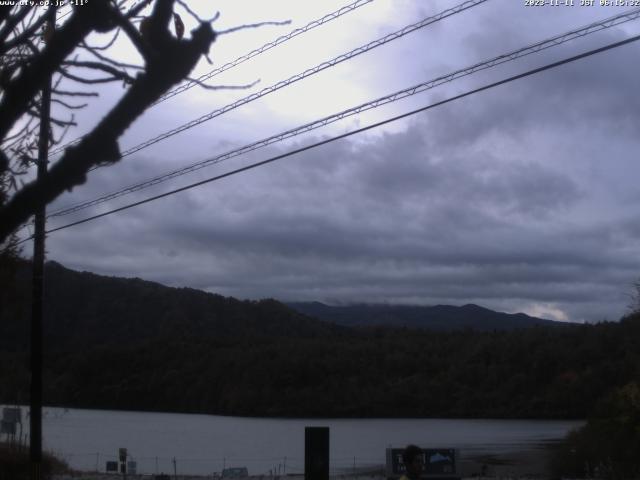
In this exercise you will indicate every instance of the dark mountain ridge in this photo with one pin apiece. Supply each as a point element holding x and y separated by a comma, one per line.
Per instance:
<point>437,317</point>
<point>130,344</point>
<point>82,308</point>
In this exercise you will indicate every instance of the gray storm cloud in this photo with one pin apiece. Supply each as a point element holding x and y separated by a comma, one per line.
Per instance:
<point>521,199</point>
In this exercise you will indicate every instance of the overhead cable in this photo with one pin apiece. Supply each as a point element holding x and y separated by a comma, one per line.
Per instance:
<point>407,92</point>
<point>348,134</point>
<point>253,53</point>
<point>307,73</point>
<point>267,46</point>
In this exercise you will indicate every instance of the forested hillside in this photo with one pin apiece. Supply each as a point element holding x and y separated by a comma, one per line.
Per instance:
<point>83,309</point>
<point>260,358</point>
<point>436,317</point>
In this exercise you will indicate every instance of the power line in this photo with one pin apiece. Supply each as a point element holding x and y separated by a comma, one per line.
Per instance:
<point>307,73</point>
<point>407,92</point>
<point>348,134</point>
<point>64,15</point>
<point>267,46</point>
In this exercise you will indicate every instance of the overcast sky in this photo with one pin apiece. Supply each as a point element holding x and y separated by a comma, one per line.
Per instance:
<point>523,198</point>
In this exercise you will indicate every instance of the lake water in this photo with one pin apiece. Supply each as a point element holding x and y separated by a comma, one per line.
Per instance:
<point>203,444</point>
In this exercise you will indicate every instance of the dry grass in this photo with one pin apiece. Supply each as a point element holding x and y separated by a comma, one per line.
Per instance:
<point>14,463</point>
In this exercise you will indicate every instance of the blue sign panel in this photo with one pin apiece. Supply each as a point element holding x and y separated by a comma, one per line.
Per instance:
<point>437,462</point>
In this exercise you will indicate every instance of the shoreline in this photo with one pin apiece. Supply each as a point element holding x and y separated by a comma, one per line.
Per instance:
<point>505,447</point>
<point>517,464</point>
<point>300,417</point>
<point>104,476</point>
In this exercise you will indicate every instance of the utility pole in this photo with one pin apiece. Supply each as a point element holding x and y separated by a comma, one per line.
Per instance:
<point>35,417</point>
<point>122,455</point>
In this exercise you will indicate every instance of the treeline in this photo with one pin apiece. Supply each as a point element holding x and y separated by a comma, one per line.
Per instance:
<point>130,344</point>
<point>534,373</point>
<point>83,309</point>
<point>607,445</point>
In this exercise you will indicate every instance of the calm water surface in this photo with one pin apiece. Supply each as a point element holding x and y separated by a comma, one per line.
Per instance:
<point>202,444</point>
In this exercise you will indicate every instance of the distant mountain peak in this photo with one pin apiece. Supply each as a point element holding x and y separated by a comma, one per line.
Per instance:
<point>435,317</point>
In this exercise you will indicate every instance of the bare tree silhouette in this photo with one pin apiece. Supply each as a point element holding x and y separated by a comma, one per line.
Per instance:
<point>34,49</point>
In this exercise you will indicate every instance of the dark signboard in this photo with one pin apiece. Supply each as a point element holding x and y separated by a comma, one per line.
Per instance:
<point>438,462</point>
<point>7,427</point>
<point>112,467</point>
<point>235,472</point>
<point>12,415</point>
<point>316,453</point>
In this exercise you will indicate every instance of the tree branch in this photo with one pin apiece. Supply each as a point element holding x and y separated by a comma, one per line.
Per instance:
<point>117,74</point>
<point>136,9</point>
<point>26,34</point>
<point>12,21</point>
<point>75,94</point>
<point>246,86</point>
<point>88,81</point>
<point>100,146</point>
<point>68,105</point>
<point>252,25</point>
<point>133,34</point>
<point>93,51</point>
<point>108,45</point>
<point>25,86</point>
